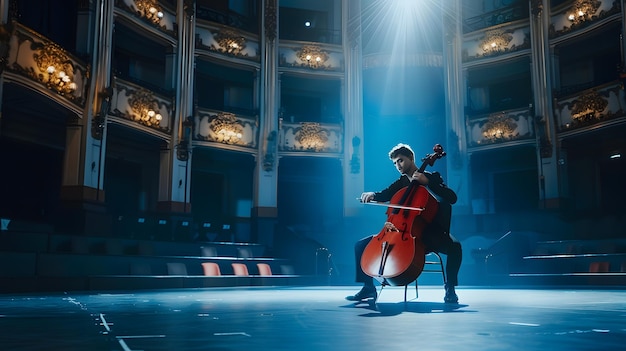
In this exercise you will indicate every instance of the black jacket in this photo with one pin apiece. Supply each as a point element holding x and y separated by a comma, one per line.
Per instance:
<point>436,186</point>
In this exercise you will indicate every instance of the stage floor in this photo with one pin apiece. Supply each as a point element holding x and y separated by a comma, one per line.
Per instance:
<point>315,318</point>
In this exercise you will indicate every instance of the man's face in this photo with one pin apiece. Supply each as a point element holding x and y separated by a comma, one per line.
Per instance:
<point>403,164</point>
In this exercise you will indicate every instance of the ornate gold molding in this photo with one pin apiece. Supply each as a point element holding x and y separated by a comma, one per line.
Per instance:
<point>311,136</point>
<point>583,10</point>
<point>230,42</point>
<point>226,128</point>
<point>588,107</point>
<point>145,108</point>
<point>495,41</point>
<point>499,127</point>
<point>57,70</point>
<point>150,10</point>
<point>312,56</point>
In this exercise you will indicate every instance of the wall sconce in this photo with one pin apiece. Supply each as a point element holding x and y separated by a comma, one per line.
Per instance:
<point>499,127</point>
<point>311,136</point>
<point>495,41</point>
<point>149,9</point>
<point>312,56</point>
<point>145,108</point>
<point>230,42</point>
<point>227,128</point>
<point>57,69</point>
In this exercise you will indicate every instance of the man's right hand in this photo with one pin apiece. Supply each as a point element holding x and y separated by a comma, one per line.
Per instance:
<point>367,196</point>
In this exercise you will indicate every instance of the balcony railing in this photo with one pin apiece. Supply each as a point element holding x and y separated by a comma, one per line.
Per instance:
<point>151,12</point>
<point>494,42</point>
<point>226,128</point>
<point>310,137</point>
<point>141,106</point>
<point>496,17</point>
<point>45,66</point>
<point>311,56</point>
<point>495,128</point>
<point>228,18</point>
<point>590,107</point>
<point>578,15</point>
<point>227,41</point>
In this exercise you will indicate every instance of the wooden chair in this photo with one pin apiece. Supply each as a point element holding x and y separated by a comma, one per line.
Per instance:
<point>211,269</point>
<point>264,269</point>
<point>240,269</point>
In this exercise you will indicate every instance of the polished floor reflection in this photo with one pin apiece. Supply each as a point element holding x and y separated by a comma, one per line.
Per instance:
<point>315,318</point>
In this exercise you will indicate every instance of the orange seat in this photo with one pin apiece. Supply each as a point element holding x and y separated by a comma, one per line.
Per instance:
<point>211,269</point>
<point>264,269</point>
<point>599,267</point>
<point>240,269</point>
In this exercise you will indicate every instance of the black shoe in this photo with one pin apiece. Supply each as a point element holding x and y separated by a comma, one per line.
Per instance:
<point>365,294</point>
<point>450,295</point>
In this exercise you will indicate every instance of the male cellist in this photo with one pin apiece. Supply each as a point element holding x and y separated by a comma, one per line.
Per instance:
<point>436,236</point>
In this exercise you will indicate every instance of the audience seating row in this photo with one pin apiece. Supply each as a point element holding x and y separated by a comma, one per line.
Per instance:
<point>55,262</point>
<point>212,269</point>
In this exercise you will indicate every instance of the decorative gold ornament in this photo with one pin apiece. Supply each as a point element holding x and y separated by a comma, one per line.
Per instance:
<point>230,42</point>
<point>583,10</point>
<point>145,108</point>
<point>311,136</point>
<point>312,56</point>
<point>495,41</point>
<point>57,69</point>
<point>588,107</point>
<point>149,9</point>
<point>499,127</point>
<point>227,129</point>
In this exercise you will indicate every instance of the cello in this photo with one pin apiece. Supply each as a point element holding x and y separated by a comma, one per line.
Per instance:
<point>396,255</point>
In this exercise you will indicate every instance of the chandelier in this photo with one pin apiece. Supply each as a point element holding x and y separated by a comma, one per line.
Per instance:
<point>226,128</point>
<point>499,127</point>
<point>312,56</point>
<point>57,69</point>
<point>144,108</point>
<point>311,136</point>
<point>149,9</point>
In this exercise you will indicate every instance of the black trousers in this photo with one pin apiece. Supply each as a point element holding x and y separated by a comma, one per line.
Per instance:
<point>435,237</point>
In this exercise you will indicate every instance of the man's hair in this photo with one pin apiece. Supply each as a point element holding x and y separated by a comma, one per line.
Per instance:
<point>402,149</point>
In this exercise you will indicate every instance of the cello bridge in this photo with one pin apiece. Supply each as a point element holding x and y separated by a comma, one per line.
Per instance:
<point>390,227</point>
